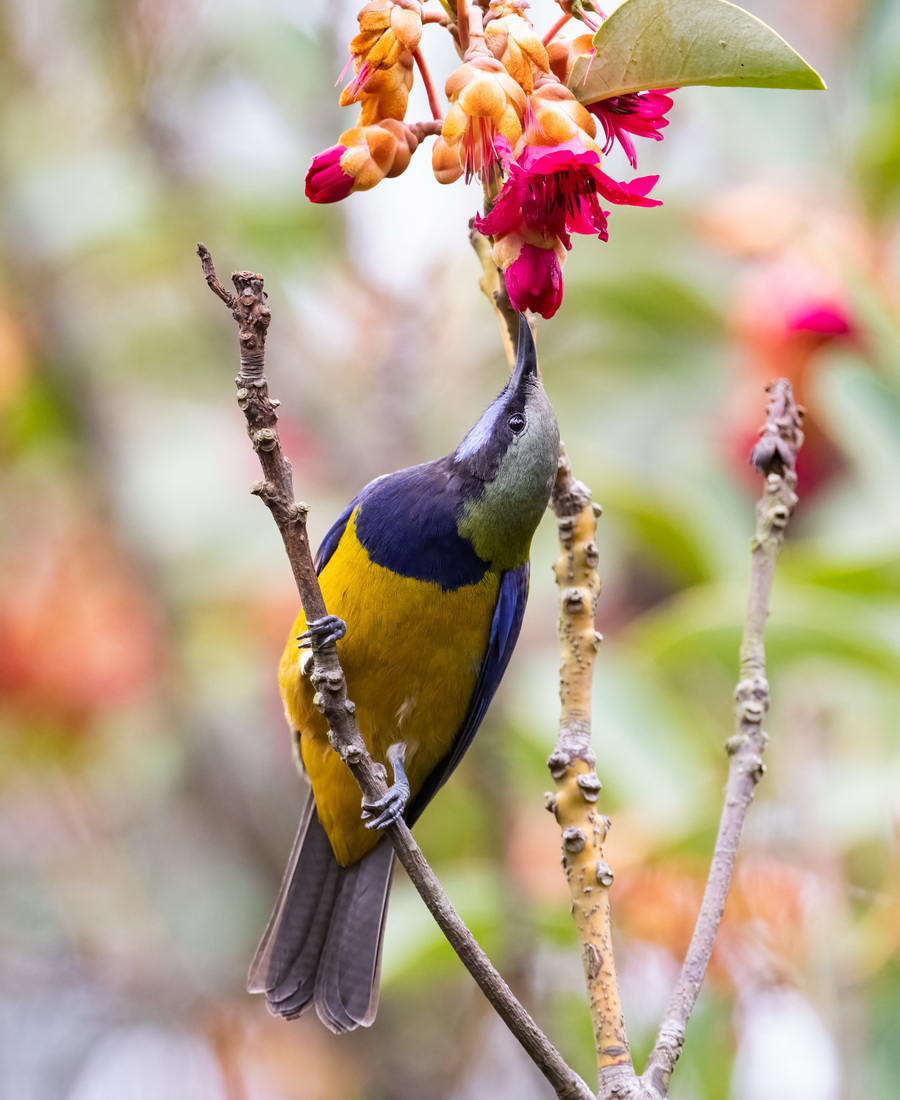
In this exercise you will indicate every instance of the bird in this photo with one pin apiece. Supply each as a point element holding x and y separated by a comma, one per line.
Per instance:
<point>425,577</point>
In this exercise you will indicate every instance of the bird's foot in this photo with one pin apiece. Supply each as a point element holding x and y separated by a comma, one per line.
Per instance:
<point>322,632</point>
<point>390,807</point>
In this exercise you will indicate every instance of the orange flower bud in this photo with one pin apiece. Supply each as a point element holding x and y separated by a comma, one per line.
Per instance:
<point>390,31</point>
<point>388,27</point>
<point>385,96</point>
<point>361,159</point>
<point>445,162</point>
<point>556,116</point>
<point>485,103</point>
<point>564,52</point>
<point>513,41</point>
<point>407,143</point>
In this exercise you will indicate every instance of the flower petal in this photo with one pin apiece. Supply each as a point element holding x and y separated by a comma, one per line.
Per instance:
<point>326,181</point>
<point>534,281</point>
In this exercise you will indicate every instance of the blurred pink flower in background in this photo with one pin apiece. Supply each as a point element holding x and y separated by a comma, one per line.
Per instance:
<point>792,304</point>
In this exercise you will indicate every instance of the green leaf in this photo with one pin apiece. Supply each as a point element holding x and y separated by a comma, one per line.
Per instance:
<point>648,44</point>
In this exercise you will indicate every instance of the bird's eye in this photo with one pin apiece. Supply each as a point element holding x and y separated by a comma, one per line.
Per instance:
<point>516,422</point>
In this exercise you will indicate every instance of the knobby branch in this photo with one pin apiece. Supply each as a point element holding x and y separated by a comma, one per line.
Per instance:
<point>572,764</point>
<point>775,457</point>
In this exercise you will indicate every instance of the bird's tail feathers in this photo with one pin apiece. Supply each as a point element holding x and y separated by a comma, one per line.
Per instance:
<point>322,945</point>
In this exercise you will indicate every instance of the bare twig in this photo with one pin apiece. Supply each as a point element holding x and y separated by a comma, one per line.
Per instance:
<point>276,491</point>
<point>774,456</point>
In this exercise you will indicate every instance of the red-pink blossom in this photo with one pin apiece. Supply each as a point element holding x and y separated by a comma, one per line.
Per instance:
<point>326,181</point>
<point>638,113</point>
<point>534,281</point>
<point>825,319</point>
<point>550,192</point>
<point>555,190</point>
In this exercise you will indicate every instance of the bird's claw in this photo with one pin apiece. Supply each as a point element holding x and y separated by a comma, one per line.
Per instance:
<point>390,807</point>
<point>322,632</point>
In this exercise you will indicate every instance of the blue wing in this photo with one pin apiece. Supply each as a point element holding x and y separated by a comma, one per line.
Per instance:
<point>505,627</point>
<point>335,533</point>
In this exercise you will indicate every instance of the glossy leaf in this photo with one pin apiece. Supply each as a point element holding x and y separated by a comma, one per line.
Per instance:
<point>648,44</point>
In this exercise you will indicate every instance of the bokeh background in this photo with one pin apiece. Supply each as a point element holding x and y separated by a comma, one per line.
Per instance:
<point>147,793</point>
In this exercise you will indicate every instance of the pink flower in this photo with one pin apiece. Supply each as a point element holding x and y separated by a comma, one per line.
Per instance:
<point>326,181</point>
<point>639,113</point>
<point>534,281</point>
<point>824,319</point>
<point>550,192</point>
<point>555,190</point>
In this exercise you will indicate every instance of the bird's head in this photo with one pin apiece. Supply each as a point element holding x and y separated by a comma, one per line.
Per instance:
<point>509,460</point>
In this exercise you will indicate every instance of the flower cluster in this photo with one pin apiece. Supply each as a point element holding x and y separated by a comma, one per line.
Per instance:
<point>380,144</point>
<point>511,122</point>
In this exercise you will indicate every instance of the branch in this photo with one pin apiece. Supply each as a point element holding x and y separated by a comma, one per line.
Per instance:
<point>775,457</point>
<point>572,766</point>
<point>493,286</point>
<point>276,491</point>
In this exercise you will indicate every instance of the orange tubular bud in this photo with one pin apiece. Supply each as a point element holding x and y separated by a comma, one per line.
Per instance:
<point>373,152</point>
<point>512,39</point>
<point>445,162</point>
<point>383,60</point>
<point>390,33</point>
<point>406,23</point>
<point>557,117</point>
<point>485,103</point>
<point>385,96</point>
<point>564,52</point>
<point>386,29</point>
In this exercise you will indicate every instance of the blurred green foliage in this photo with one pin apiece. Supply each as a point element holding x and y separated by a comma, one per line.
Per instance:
<point>148,795</point>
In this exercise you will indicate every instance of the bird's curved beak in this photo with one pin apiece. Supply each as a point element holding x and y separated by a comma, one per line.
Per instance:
<point>526,365</point>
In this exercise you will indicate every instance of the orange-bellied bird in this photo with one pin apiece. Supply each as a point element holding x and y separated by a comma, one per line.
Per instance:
<point>425,574</point>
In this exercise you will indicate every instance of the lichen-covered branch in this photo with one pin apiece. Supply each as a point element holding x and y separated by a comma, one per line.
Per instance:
<point>248,307</point>
<point>573,763</point>
<point>775,457</point>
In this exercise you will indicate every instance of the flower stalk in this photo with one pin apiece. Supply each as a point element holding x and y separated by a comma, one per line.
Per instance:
<point>555,29</point>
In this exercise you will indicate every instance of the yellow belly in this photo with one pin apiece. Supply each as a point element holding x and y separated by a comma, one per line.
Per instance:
<point>411,656</point>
